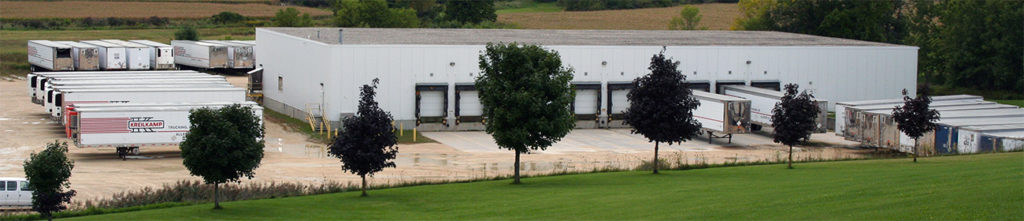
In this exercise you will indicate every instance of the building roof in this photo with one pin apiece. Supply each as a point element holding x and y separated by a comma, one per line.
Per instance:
<point>565,37</point>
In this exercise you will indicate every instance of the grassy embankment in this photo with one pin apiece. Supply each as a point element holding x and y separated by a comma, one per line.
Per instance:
<point>984,186</point>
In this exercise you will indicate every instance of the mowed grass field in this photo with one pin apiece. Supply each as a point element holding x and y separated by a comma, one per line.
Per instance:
<point>123,9</point>
<point>985,186</point>
<point>13,44</point>
<point>716,16</point>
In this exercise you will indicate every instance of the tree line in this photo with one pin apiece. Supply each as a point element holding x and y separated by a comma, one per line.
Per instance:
<point>398,14</point>
<point>963,43</point>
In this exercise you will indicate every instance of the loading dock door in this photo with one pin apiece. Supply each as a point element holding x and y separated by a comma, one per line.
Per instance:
<point>586,102</point>
<point>700,86</point>
<point>469,104</point>
<point>432,103</point>
<point>619,101</point>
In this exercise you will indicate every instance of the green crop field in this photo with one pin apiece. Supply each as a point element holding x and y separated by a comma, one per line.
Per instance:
<point>986,186</point>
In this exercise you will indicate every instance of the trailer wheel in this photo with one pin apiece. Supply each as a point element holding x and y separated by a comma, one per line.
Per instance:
<point>122,152</point>
<point>134,150</point>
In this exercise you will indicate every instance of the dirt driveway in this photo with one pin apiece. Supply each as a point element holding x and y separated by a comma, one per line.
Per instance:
<point>289,157</point>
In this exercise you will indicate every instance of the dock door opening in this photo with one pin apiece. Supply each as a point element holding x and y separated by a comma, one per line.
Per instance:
<point>770,85</point>
<point>704,86</point>
<point>431,103</point>
<point>617,100</point>
<point>587,104</point>
<point>719,85</point>
<point>467,104</point>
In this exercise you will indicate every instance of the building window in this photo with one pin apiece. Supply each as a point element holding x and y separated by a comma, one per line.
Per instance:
<point>280,83</point>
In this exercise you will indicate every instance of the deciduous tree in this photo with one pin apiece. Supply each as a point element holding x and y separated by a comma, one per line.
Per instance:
<point>914,117</point>
<point>526,93</point>
<point>367,142</point>
<point>223,145</point>
<point>661,105</point>
<point>793,118</point>
<point>470,11</point>
<point>47,173</point>
<point>688,19</point>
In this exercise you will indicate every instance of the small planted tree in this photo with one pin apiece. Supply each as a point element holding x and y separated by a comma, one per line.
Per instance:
<point>915,118</point>
<point>793,118</point>
<point>187,33</point>
<point>367,142</point>
<point>223,145</point>
<point>47,173</point>
<point>661,106</point>
<point>526,94</point>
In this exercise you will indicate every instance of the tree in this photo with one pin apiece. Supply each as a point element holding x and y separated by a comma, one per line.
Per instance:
<point>374,13</point>
<point>793,118</point>
<point>689,18</point>
<point>980,44</point>
<point>470,11</point>
<point>223,145</point>
<point>187,33</point>
<point>227,18</point>
<point>881,21</point>
<point>661,106</point>
<point>367,143</point>
<point>526,93</point>
<point>47,173</point>
<point>915,118</point>
<point>289,17</point>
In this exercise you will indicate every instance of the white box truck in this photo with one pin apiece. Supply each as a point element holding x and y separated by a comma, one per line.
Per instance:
<point>161,57</point>
<point>240,56</point>
<point>762,101</point>
<point>722,114</point>
<point>129,128</point>
<point>200,54</point>
<point>85,57</point>
<point>112,56</point>
<point>138,54</point>
<point>36,80</point>
<point>125,95</point>
<point>843,116</point>
<point>50,55</point>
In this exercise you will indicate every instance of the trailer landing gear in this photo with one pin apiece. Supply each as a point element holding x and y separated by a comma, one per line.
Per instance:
<point>122,152</point>
<point>711,135</point>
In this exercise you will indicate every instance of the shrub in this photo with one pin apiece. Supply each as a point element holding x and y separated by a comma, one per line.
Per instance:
<point>187,33</point>
<point>227,18</point>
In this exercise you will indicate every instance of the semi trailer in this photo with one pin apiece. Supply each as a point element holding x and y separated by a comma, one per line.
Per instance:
<point>200,54</point>
<point>877,127</point>
<point>843,116</point>
<point>33,78</point>
<point>762,101</point>
<point>160,56</point>
<point>112,56</point>
<point>856,118</point>
<point>981,139</point>
<point>50,55</point>
<point>45,83</point>
<point>137,55</point>
<point>84,57</point>
<point>239,55</point>
<point>722,114</point>
<point>131,95</point>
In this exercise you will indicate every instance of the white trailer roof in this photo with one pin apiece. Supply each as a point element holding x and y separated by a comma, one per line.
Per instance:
<point>251,43</point>
<point>900,100</point>
<point>196,43</point>
<point>161,104</point>
<point>935,104</point>
<point>718,97</point>
<point>125,81</point>
<point>160,89</point>
<point>1019,134</point>
<point>150,43</point>
<point>226,43</point>
<point>125,43</point>
<point>103,44</point>
<point>996,128</point>
<point>49,43</point>
<point>960,122</point>
<point>956,108</point>
<point>982,113</point>
<point>76,44</point>
<point>756,90</point>
<point>107,72</point>
<point>156,108</point>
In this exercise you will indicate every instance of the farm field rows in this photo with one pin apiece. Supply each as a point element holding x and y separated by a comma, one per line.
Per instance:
<point>971,187</point>
<point>716,16</point>
<point>14,60</point>
<point>103,9</point>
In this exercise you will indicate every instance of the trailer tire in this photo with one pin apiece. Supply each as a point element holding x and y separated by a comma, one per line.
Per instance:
<point>122,153</point>
<point>134,150</point>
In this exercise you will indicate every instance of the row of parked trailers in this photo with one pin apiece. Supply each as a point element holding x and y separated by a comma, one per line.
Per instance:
<point>113,54</point>
<point>737,108</point>
<point>967,124</point>
<point>130,109</point>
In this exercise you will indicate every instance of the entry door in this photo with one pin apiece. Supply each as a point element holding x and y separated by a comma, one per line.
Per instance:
<point>586,102</point>
<point>432,103</point>
<point>469,104</point>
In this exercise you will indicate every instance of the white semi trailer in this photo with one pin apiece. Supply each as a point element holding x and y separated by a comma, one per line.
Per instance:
<point>161,57</point>
<point>843,116</point>
<point>762,101</point>
<point>854,115</point>
<point>722,114</point>
<point>981,139</point>
<point>112,56</point>
<point>126,95</point>
<point>138,54</point>
<point>200,54</point>
<point>50,95</point>
<point>86,57</point>
<point>130,127</point>
<point>50,55</point>
<point>239,55</point>
<point>879,128</point>
<point>45,83</point>
<point>36,80</point>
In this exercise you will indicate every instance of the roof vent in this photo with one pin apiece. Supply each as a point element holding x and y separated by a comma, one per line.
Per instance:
<point>340,36</point>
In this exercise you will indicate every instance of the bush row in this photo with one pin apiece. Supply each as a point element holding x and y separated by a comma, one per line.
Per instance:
<point>593,5</point>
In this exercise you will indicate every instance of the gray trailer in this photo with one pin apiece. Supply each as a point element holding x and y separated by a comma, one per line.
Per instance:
<point>762,101</point>
<point>842,116</point>
<point>50,55</point>
<point>200,54</point>
<point>161,57</point>
<point>84,56</point>
<point>882,130</point>
<point>982,139</point>
<point>857,120</point>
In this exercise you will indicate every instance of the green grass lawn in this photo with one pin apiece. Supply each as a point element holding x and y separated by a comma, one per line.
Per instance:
<point>530,6</point>
<point>1019,103</point>
<point>986,186</point>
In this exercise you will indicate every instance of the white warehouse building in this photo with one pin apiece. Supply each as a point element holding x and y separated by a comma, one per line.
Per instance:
<point>427,74</point>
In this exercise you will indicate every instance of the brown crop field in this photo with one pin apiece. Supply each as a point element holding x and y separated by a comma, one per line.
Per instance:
<point>103,9</point>
<point>716,16</point>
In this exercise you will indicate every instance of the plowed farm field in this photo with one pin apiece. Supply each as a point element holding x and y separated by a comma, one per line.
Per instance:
<point>104,9</point>
<point>716,16</point>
